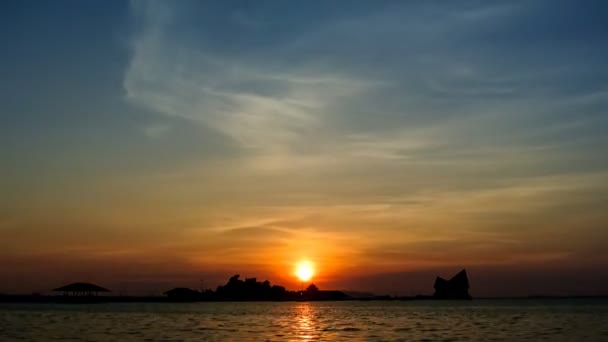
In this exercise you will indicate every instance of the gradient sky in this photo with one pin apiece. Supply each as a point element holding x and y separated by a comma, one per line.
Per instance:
<point>146,145</point>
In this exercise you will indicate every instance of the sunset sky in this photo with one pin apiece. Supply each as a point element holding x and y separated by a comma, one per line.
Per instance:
<point>147,145</point>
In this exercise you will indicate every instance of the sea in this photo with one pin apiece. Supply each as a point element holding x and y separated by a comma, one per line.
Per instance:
<point>477,320</point>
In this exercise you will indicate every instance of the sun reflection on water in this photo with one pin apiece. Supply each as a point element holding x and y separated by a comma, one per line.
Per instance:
<point>306,324</point>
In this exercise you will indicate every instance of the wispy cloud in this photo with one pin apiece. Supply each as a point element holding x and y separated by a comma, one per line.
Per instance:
<point>264,110</point>
<point>419,120</point>
<point>390,134</point>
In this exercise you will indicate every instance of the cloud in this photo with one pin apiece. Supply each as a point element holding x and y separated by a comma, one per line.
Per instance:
<point>393,135</point>
<point>265,111</point>
<point>156,130</point>
<point>409,120</point>
<point>336,101</point>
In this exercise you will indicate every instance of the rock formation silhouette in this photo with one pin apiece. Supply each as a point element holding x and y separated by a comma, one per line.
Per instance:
<point>455,288</point>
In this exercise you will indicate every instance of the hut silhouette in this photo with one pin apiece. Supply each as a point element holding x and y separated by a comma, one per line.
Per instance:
<point>81,290</point>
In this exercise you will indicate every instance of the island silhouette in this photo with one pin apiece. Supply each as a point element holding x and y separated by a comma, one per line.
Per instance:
<point>250,289</point>
<point>455,288</point>
<point>237,289</point>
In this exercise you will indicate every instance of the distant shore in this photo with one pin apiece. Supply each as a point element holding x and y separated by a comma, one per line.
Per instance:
<point>58,299</point>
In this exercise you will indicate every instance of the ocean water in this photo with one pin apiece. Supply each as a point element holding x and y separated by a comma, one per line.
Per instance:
<point>478,320</point>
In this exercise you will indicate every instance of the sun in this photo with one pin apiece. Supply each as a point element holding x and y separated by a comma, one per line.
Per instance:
<point>304,270</point>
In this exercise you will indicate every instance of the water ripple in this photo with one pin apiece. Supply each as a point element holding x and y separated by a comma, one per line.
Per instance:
<point>328,321</point>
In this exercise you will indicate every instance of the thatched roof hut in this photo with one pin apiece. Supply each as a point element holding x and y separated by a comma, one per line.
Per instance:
<point>81,289</point>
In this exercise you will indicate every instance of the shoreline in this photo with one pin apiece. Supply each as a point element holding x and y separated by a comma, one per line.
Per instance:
<point>42,299</point>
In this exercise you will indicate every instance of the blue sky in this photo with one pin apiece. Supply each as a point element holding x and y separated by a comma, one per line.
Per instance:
<point>369,137</point>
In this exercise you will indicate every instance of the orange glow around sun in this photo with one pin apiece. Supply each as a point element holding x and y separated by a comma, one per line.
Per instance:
<point>304,270</point>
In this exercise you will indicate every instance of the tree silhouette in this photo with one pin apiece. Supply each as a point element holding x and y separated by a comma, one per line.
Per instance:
<point>312,288</point>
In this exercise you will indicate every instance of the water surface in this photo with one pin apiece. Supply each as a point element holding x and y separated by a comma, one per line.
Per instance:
<point>478,320</point>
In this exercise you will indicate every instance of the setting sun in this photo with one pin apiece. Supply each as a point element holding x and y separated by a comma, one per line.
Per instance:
<point>304,270</point>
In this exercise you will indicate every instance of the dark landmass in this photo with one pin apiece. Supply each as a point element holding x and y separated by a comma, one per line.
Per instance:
<point>41,299</point>
<point>236,289</point>
<point>542,297</point>
<point>252,290</point>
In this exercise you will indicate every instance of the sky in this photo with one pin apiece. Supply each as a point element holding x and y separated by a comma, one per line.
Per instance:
<point>152,144</point>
